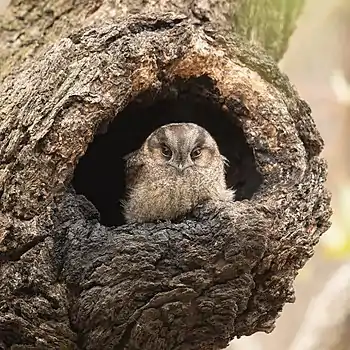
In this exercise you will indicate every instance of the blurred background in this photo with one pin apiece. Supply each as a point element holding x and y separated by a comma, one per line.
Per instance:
<point>318,64</point>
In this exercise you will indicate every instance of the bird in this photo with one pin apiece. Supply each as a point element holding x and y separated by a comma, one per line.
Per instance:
<point>178,167</point>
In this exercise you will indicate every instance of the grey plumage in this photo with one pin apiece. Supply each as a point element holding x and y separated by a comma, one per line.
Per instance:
<point>178,167</point>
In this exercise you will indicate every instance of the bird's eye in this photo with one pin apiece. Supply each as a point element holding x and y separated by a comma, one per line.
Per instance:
<point>196,153</point>
<point>166,151</point>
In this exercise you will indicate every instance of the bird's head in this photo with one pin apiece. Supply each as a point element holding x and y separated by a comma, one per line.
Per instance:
<point>182,146</point>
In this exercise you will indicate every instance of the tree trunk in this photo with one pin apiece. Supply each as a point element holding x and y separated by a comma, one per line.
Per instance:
<point>268,22</point>
<point>75,101</point>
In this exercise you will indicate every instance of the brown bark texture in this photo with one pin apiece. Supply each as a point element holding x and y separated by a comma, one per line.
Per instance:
<point>72,274</point>
<point>28,26</point>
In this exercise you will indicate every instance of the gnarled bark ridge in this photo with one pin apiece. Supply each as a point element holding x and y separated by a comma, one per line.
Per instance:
<point>72,275</point>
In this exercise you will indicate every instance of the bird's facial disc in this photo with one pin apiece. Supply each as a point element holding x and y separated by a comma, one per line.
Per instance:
<point>182,146</point>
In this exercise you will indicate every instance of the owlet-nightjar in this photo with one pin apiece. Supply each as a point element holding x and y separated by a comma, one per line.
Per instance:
<point>178,167</point>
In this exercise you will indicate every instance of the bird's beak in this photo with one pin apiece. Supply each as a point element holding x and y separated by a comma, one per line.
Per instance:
<point>182,166</point>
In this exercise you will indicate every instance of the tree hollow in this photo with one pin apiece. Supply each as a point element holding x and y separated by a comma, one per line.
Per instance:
<point>99,174</point>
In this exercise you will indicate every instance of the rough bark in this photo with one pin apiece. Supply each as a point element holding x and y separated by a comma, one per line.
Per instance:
<point>268,22</point>
<point>72,276</point>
